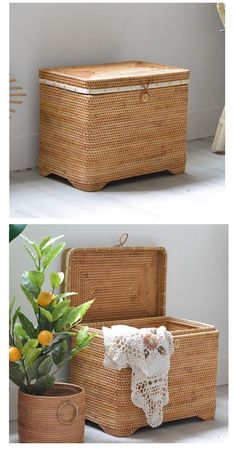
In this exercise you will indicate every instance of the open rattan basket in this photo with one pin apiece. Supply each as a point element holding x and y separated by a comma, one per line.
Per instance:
<point>129,286</point>
<point>56,417</point>
<point>101,123</point>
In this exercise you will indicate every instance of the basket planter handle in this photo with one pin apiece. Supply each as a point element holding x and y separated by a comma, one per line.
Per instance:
<point>60,412</point>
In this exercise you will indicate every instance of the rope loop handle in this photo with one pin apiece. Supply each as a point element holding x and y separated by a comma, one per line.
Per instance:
<point>60,412</point>
<point>123,238</point>
<point>144,95</point>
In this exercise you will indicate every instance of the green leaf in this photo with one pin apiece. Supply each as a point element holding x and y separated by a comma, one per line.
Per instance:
<point>43,383</point>
<point>15,316</point>
<point>11,341</point>
<point>30,298</point>
<point>82,334</point>
<point>16,375</point>
<point>15,230</point>
<point>52,254</point>
<point>45,367</point>
<point>60,351</point>
<point>50,242</point>
<point>44,241</point>
<point>32,356</point>
<point>56,279</point>
<point>46,314</point>
<point>83,345</point>
<point>27,240</point>
<point>12,303</point>
<point>32,371</point>
<point>76,314</point>
<point>35,278</point>
<point>31,255</point>
<point>19,343</point>
<point>65,295</point>
<point>36,248</point>
<point>19,331</point>
<point>59,326</point>
<point>27,325</point>
<point>60,309</point>
<point>31,344</point>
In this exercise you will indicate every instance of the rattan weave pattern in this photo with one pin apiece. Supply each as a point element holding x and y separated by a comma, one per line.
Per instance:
<point>94,139</point>
<point>56,417</point>
<point>116,74</point>
<point>192,378</point>
<point>125,282</point>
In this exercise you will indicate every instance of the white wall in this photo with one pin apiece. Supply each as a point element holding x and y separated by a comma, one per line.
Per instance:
<point>197,270</point>
<point>185,35</point>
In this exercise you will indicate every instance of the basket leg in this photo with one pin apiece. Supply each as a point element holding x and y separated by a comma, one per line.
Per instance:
<point>119,433</point>
<point>178,170</point>
<point>93,187</point>
<point>207,415</point>
<point>44,172</point>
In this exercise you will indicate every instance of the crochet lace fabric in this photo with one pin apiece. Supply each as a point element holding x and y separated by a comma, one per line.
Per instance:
<point>147,352</point>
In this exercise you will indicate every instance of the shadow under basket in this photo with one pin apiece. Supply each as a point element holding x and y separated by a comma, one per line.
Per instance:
<point>129,287</point>
<point>56,417</point>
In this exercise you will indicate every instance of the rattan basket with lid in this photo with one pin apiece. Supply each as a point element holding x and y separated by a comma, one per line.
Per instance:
<point>107,122</point>
<point>129,286</point>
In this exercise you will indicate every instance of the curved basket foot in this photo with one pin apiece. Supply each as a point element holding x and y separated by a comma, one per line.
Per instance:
<point>44,172</point>
<point>207,415</point>
<point>119,433</point>
<point>177,171</point>
<point>93,187</point>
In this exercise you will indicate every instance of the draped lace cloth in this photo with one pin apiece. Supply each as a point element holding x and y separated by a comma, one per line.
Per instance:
<point>147,352</point>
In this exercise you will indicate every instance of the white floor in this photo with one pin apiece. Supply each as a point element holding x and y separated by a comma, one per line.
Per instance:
<point>191,430</point>
<point>156,198</point>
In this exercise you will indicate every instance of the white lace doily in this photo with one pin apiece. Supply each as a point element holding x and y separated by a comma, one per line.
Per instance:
<point>147,352</point>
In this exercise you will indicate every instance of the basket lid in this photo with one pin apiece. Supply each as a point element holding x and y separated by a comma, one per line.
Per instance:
<point>125,282</point>
<point>112,75</point>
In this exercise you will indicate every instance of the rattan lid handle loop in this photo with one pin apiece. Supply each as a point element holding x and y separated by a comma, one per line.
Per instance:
<point>60,412</point>
<point>123,238</point>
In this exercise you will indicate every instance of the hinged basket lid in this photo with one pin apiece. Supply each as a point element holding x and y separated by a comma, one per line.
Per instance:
<point>125,282</point>
<point>130,73</point>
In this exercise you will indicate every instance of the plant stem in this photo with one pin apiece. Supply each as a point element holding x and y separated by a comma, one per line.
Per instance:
<point>26,375</point>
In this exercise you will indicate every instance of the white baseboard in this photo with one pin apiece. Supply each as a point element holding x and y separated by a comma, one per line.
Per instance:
<point>222,379</point>
<point>24,149</point>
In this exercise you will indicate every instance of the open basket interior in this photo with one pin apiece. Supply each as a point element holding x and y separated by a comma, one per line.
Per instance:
<point>176,326</point>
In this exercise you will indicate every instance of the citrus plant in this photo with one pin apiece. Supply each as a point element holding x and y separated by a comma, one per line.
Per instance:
<point>39,348</point>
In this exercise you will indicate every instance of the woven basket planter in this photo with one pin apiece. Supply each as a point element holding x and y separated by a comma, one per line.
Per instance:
<point>129,287</point>
<point>107,122</point>
<point>56,417</point>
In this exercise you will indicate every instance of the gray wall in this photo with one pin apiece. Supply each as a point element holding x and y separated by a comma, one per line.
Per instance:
<point>197,270</point>
<point>186,35</point>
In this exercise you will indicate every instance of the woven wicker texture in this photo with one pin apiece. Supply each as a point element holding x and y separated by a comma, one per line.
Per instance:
<point>94,139</point>
<point>192,378</point>
<point>125,282</point>
<point>56,417</point>
<point>116,74</point>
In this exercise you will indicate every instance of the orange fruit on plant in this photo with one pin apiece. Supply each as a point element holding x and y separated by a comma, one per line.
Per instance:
<point>44,299</point>
<point>14,354</point>
<point>45,338</point>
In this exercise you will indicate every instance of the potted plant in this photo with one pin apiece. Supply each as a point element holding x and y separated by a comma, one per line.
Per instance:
<point>47,411</point>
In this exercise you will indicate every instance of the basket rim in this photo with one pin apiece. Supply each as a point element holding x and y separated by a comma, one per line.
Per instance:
<point>80,391</point>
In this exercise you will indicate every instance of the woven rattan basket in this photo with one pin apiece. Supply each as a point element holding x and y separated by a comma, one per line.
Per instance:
<point>129,286</point>
<point>108,122</point>
<point>56,417</point>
